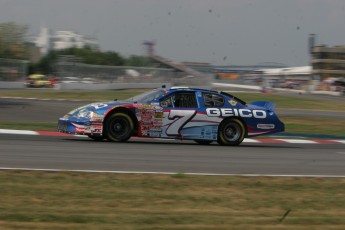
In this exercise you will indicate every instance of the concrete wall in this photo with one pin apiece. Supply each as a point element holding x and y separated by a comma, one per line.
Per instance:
<point>81,86</point>
<point>11,85</point>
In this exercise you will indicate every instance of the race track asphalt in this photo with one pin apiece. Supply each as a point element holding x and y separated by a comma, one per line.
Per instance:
<point>80,153</point>
<point>75,153</point>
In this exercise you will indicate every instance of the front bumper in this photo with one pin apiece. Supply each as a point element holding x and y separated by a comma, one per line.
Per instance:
<point>81,127</point>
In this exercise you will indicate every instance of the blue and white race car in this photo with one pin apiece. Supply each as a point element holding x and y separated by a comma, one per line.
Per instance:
<point>178,113</point>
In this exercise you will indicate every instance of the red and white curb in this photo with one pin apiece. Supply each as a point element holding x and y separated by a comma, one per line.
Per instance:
<point>246,140</point>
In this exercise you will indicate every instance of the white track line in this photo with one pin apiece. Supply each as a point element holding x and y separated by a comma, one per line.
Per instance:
<point>13,131</point>
<point>340,141</point>
<point>297,141</point>
<point>172,173</point>
<point>249,140</point>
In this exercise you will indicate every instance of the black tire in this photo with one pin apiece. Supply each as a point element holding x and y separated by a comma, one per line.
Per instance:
<point>96,138</point>
<point>118,127</point>
<point>231,132</point>
<point>203,142</point>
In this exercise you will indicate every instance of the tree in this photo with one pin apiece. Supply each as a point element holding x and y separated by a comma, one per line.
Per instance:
<point>88,56</point>
<point>135,60</point>
<point>12,38</point>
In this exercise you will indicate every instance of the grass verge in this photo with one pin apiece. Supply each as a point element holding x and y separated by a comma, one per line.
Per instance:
<point>293,102</point>
<point>314,125</point>
<point>61,200</point>
<point>282,101</point>
<point>42,126</point>
<point>73,94</point>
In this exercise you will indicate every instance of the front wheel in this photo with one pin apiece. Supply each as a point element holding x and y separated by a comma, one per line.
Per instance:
<point>118,127</point>
<point>231,132</point>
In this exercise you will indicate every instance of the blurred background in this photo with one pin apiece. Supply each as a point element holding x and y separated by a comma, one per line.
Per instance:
<point>295,45</point>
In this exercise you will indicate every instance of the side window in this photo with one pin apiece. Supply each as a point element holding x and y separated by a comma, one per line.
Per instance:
<point>184,100</point>
<point>213,100</point>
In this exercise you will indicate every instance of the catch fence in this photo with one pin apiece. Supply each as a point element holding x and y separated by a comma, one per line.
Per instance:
<point>13,70</point>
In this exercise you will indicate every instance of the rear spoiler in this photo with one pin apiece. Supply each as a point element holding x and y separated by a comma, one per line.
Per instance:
<point>268,105</point>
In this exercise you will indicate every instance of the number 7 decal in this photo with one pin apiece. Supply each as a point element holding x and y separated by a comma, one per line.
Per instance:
<point>181,118</point>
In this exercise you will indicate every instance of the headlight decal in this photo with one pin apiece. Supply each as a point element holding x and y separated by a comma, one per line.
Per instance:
<point>84,113</point>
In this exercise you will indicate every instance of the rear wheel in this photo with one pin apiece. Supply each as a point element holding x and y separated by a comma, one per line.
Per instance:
<point>118,127</point>
<point>231,132</point>
<point>202,142</point>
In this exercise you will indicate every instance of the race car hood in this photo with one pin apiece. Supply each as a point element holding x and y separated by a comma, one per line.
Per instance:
<point>99,108</point>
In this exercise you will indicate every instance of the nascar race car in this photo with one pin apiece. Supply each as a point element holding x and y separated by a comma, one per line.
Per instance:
<point>178,113</point>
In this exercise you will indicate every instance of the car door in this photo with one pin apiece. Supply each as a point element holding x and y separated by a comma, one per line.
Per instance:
<point>179,109</point>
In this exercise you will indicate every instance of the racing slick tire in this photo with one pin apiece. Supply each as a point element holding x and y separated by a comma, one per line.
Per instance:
<point>96,138</point>
<point>231,132</point>
<point>118,127</point>
<point>203,142</point>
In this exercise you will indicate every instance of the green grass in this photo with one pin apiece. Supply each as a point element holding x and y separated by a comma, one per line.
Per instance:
<point>73,94</point>
<point>42,126</point>
<point>314,125</point>
<point>42,200</point>
<point>293,101</point>
<point>282,101</point>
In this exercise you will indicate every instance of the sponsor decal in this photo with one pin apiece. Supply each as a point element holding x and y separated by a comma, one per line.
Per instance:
<point>97,117</point>
<point>150,119</point>
<point>155,134</point>
<point>266,126</point>
<point>164,104</point>
<point>79,130</point>
<point>99,105</point>
<point>154,104</point>
<point>232,102</point>
<point>227,112</point>
<point>96,128</point>
<point>158,115</point>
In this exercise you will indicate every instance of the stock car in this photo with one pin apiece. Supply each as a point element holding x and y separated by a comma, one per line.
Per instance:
<point>174,113</point>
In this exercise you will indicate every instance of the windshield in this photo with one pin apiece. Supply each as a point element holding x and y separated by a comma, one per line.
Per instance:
<point>147,97</point>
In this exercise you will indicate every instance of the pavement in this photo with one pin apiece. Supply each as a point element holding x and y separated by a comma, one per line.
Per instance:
<point>246,140</point>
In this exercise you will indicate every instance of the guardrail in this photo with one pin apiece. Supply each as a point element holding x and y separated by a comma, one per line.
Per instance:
<point>11,85</point>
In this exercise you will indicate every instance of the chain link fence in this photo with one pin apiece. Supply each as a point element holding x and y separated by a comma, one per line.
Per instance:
<point>12,70</point>
<point>69,69</point>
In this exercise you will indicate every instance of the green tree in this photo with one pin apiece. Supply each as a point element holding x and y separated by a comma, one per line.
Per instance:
<point>135,60</point>
<point>95,57</point>
<point>45,66</point>
<point>88,56</point>
<point>12,39</point>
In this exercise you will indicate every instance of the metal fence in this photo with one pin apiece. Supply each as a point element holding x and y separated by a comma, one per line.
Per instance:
<point>70,70</point>
<point>13,70</point>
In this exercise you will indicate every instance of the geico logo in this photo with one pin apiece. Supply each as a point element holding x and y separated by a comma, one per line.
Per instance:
<point>215,112</point>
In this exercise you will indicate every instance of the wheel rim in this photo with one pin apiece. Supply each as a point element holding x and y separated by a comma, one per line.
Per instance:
<point>119,127</point>
<point>232,132</point>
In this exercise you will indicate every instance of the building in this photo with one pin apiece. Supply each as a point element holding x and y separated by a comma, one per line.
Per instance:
<point>42,41</point>
<point>69,39</point>
<point>328,62</point>
<point>47,41</point>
